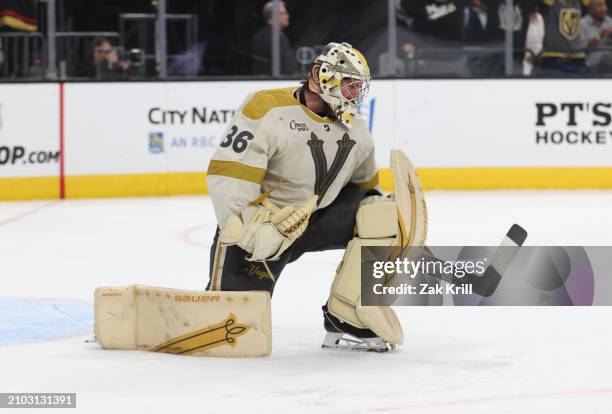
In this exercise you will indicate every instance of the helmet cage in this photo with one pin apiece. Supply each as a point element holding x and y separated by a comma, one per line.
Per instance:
<point>339,62</point>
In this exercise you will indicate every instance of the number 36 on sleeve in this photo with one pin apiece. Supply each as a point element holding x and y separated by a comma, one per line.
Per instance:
<point>239,142</point>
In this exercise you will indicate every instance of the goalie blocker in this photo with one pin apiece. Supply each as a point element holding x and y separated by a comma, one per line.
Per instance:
<point>229,324</point>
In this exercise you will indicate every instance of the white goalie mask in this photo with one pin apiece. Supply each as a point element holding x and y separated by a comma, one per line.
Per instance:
<point>344,79</point>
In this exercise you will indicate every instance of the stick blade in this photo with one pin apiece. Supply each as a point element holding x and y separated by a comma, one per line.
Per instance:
<point>517,234</point>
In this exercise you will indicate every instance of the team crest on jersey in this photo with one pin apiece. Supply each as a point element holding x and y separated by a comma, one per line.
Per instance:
<point>569,23</point>
<point>324,177</point>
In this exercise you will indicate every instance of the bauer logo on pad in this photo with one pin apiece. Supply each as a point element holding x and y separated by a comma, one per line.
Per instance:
<point>197,298</point>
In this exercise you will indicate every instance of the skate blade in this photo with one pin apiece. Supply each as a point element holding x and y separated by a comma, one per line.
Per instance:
<point>345,342</point>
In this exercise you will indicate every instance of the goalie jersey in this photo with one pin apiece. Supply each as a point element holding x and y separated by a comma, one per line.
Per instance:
<point>275,147</point>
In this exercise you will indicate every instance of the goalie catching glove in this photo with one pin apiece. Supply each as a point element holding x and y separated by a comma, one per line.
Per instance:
<point>266,231</point>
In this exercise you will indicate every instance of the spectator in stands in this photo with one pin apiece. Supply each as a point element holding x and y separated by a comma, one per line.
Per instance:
<point>106,62</point>
<point>597,29</point>
<point>534,41</point>
<point>562,44</point>
<point>261,43</point>
<point>429,38</point>
<point>439,19</point>
<point>483,28</point>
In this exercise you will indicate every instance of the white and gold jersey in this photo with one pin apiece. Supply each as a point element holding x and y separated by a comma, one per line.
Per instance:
<point>276,146</point>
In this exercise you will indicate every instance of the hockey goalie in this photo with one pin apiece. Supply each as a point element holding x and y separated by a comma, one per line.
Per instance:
<point>295,172</point>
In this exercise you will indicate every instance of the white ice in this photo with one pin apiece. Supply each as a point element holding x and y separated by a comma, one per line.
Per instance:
<point>455,360</point>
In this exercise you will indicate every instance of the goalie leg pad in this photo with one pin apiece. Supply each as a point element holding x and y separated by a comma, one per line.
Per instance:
<point>232,324</point>
<point>377,225</point>
<point>379,221</point>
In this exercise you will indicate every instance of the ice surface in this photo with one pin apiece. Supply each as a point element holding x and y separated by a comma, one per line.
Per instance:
<point>455,360</point>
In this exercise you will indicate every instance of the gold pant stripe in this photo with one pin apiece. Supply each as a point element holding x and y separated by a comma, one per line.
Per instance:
<point>218,267</point>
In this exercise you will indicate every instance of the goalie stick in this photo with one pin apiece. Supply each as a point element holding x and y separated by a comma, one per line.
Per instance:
<point>486,284</point>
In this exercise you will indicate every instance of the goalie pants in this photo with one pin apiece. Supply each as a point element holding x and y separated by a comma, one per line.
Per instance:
<point>330,228</point>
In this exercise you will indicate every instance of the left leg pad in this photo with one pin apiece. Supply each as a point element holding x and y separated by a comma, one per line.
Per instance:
<point>184,322</point>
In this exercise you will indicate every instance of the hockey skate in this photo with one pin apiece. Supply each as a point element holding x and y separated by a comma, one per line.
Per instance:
<point>343,336</point>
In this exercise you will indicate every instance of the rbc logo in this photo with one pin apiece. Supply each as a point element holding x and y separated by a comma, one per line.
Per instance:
<point>156,142</point>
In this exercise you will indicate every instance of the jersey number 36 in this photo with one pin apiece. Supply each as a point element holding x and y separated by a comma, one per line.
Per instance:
<point>240,141</point>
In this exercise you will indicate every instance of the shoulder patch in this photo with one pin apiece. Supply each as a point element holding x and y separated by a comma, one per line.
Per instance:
<point>263,101</point>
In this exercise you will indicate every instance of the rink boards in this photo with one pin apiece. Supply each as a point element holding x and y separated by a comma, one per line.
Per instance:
<point>79,140</point>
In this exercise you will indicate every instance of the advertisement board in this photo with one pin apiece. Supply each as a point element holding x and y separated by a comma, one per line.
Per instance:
<point>29,141</point>
<point>504,123</point>
<point>157,138</point>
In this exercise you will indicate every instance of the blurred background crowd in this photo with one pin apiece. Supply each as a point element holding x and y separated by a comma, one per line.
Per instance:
<point>135,39</point>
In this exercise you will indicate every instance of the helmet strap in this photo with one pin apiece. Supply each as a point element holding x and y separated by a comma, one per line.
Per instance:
<point>302,99</point>
<point>302,93</point>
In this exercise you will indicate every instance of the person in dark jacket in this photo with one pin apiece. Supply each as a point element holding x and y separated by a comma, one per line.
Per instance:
<point>261,43</point>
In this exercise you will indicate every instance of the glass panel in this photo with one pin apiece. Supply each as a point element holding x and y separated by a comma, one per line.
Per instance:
<point>21,43</point>
<point>110,40</point>
<point>21,56</point>
<point>217,38</point>
<point>458,38</point>
<point>244,47</point>
<point>362,23</point>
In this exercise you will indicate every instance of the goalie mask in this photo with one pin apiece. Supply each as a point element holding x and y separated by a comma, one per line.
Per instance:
<point>344,79</point>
